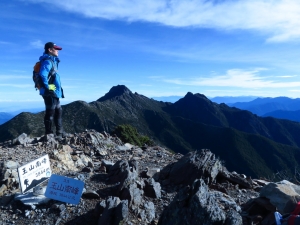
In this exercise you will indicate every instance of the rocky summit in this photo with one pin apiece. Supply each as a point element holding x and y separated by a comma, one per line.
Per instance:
<point>127,184</point>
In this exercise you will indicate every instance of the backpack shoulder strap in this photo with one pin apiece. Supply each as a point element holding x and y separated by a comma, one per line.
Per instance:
<point>296,210</point>
<point>53,68</point>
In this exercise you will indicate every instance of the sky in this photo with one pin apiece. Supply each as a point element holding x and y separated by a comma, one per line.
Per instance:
<point>154,47</point>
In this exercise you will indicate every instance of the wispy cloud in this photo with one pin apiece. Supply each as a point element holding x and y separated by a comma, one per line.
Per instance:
<point>4,43</point>
<point>12,77</point>
<point>16,85</point>
<point>287,76</point>
<point>37,44</point>
<point>235,78</point>
<point>155,77</point>
<point>279,19</point>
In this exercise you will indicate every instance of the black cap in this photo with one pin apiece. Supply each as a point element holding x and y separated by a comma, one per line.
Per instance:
<point>52,45</point>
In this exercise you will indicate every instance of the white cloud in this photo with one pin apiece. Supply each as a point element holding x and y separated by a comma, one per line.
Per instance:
<point>235,78</point>
<point>16,85</point>
<point>18,71</point>
<point>287,76</point>
<point>13,77</point>
<point>4,43</point>
<point>279,19</point>
<point>37,44</point>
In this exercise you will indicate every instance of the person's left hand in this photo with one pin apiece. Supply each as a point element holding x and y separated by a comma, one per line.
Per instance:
<point>52,87</point>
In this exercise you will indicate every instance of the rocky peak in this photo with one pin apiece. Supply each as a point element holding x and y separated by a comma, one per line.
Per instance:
<point>116,91</point>
<point>190,97</point>
<point>199,108</point>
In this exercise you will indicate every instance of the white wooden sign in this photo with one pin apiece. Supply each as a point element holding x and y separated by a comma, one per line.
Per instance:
<point>64,189</point>
<point>34,173</point>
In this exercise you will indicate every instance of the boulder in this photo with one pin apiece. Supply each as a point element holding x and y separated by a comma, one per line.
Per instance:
<point>107,164</point>
<point>194,165</point>
<point>150,172</point>
<point>119,171</point>
<point>95,138</point>
<point>86,160</point>
<point>196,205</point>
<point>115,211</point>
<point>123,170</point>
<point>152,189</point>
<point>148,214</point>
<point>283,195</point>
<point>65,158</point>
<point>235,178</point>
<point>22,139</point>
<point>122,149</point>
<point>11,165</point>
<point>132,193</point>
<point>3,188</point>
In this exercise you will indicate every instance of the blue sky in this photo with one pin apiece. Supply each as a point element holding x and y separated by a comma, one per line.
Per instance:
<point>154,47</point>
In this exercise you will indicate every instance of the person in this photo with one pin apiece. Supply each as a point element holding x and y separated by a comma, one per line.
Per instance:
<point>51,90</point>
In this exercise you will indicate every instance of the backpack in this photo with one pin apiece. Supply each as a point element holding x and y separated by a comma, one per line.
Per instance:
<point>294,218</point>
<point>38,83</point>
<point>291,219</point>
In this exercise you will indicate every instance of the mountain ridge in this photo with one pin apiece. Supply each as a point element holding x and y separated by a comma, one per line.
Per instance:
<point>193,122</point>
<point>261,106</point>
<point>283,114</point>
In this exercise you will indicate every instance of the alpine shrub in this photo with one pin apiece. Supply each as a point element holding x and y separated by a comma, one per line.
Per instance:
<point>129,134</point>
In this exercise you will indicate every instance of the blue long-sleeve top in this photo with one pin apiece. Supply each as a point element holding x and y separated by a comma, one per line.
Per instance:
<point>46,66</point>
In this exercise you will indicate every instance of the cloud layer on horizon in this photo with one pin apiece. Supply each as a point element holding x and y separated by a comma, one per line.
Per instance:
<point>237,78</point>
<point>277,19</point>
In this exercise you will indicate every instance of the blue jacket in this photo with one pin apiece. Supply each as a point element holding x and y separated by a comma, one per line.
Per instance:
<point>46,66</point>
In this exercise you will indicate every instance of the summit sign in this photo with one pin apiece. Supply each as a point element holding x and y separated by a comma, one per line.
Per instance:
<point>34,173</point>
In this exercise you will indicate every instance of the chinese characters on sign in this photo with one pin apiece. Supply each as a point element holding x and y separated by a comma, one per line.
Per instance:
<point>34,173</point>
<point>64,189</point>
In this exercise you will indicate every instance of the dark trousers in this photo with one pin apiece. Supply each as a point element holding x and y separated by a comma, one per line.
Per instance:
<point>53,112</point>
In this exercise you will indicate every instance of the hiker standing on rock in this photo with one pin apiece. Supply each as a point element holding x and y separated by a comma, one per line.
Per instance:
<point>51,89</point>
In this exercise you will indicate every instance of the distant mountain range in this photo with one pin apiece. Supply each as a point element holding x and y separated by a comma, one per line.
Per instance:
<point>5,117</point>
<point>232,99</point>
<point>262,106</point>
<point>283,114</point>
<point>254,145</point>
<point>221,99</point>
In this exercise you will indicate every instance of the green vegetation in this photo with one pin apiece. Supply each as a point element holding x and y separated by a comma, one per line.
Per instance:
<point>128,133</point>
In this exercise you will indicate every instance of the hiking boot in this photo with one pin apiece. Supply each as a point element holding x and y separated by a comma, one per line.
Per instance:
<point>58,137</point>
<point>47,137</point>
<point>62,135</point>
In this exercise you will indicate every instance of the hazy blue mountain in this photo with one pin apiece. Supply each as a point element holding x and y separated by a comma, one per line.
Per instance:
<point>261,106</point>
<point>11,107</point>
<point>4,117</point>
<point>282,114</point>
<point>232,99</point>
<point>31,110</point>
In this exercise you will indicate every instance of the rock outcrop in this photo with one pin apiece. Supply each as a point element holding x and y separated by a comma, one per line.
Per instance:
<point>127,184</point>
